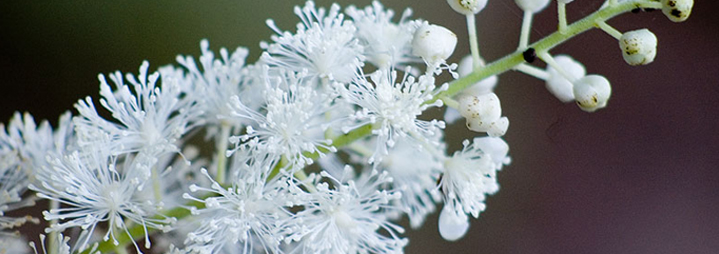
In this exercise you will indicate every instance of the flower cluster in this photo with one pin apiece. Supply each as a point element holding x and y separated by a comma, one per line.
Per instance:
<point>321,146</point>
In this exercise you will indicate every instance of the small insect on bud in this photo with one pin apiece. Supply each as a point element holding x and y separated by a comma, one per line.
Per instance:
<point>677,10</point>
<point>639,47</point>
<point>467,7</point>
<point>532,5</point>
<point>592,92</point>
<point>529,55</point>
<point>433,43</point>
<point>558,84</point>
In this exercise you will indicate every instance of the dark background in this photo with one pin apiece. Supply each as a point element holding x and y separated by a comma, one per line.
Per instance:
<point>637,177</point>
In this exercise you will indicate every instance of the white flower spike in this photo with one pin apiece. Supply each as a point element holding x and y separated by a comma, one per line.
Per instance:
<point>467,7</point>
<point>639,47</point>
<point>592,92</point>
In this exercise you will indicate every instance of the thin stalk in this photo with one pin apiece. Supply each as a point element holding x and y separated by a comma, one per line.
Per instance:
<point>473,45</point>
<point>221,152</point>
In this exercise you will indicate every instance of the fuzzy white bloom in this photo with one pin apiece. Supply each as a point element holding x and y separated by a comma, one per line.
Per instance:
<point>677,10</point>
<point>349,217</point>
<point>13,244</point>
<point>61,245</point>
<point>386,44</point>
<point>218,80</point>
<point>484,114</point>
<point>532,5</point>
<point>292,125</point>
<point>467,7</point>
<point>558,84</point>
<point>392,108</point>
<point>470,175</point>
<point>247,217</point>
<point>433,43</point>
<point>592,92</point>
<point>149,117</point>
<point>324,45</point>
<point>415,171</point>
<point>639,47</point>
<point>96,190</point>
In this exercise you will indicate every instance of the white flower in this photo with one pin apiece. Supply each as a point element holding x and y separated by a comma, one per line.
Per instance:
<point>386,44</point>
<point>324,45</point>
<point>13,244</point>
<point>94,190</point>
<point>218,80</point>
<point>148,118</point>
<point>247,217</point>
<point>471,174</point>
<point>348,218</point>
<point>292,126</point>
<point>415,172</point>
<point>392,107</point>
<point>60,245</point>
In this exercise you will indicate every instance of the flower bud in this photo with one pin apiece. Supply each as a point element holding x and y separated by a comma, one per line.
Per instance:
<point>452,225</point>
<point>532,5</point>
<point>485,107</point>
<point>433,43</point>
<point>677,10</point>
<point>467,7</point>
<point>557,84</point>
<point>495,128</point>
<point>639,47</point>
<point>592,92</point>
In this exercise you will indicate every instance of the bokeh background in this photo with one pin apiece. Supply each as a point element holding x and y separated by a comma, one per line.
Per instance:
<point>640,176</point>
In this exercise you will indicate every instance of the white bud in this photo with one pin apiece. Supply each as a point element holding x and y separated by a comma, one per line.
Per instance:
<point>532,5</point>
<point>557,84</point>
<point>433,43</point>
<point>496,128</point>
<point>639,47</point>
<point>467,7</point>
<point>485,107</point>
<point>482,87</point>
<point>677,10</point>
<point>592,92</point>
<point>452,226</point>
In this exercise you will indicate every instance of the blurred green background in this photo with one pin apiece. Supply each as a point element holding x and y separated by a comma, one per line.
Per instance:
<point>637,177</point>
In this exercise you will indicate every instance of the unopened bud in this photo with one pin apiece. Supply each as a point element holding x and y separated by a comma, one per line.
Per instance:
<point>677,10</point>
<point>532,5</point>
<point>433,43</point>
<point>639,47</point>
<point>592,92</point>
<point>467,7</point>
<point>558,84</point>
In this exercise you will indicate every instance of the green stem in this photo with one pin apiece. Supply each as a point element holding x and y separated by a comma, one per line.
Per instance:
<point>547,43</point>
<point>221,150</point>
